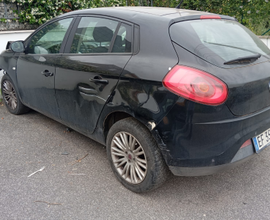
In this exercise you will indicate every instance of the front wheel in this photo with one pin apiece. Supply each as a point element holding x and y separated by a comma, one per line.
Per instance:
<point>11,98</point>
<point>134,156</point>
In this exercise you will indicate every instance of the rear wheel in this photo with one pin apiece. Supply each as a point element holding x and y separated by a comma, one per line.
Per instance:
<point>134,156</point>
<point>10,97</point>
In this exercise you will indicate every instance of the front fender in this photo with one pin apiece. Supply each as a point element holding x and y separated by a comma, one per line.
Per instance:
<point>8,63</point>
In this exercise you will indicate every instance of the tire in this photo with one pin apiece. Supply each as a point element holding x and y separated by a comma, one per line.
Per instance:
<point>146,167</point>
<point>11,98</point>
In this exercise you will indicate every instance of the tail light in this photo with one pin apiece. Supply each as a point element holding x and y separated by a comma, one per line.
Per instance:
<point>196,85</point>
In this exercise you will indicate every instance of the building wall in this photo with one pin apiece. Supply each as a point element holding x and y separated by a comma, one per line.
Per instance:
<point>266,40</point>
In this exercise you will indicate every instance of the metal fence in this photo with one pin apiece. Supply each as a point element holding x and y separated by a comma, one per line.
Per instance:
<point>7,16</point>
<point>6,10</point>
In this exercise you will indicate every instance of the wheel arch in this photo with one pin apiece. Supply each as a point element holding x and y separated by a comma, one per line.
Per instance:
<point>13,79</point>
<point>111,119</point>
<point>116,116</point>
<point>11,96</point>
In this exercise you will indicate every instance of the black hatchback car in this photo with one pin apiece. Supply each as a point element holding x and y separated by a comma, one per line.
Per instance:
<point>164,89</point>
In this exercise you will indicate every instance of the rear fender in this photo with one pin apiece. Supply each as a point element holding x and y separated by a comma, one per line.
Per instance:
<point>148,102</point>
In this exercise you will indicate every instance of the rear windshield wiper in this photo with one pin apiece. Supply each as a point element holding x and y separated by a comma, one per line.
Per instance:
<point>242,60</point>
<point>226,45</point>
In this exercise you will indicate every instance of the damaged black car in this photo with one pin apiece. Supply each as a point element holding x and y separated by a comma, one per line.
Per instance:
<point>166,90</point>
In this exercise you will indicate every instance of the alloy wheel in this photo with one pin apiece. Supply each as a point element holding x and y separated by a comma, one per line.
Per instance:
<point>9,95</point>
<point>128,157</point>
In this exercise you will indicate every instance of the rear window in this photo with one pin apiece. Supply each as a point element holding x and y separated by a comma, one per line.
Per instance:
<point>217,41</point>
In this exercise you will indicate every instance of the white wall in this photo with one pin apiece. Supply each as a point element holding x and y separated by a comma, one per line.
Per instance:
<point>266,40</point>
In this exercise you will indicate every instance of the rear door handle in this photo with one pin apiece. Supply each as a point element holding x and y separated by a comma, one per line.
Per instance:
<point>47,73</point>
<point>99,79</point>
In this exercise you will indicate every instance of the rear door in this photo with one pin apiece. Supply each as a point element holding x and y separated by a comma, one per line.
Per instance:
<point>36,68</point>
<point>95,57</point>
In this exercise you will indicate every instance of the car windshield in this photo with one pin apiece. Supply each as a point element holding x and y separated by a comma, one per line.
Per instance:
<point>218,41</point>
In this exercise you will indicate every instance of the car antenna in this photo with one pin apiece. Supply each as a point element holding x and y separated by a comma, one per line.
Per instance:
<point>179,5</point>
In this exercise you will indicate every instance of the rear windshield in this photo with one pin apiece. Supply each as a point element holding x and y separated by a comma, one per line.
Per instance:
<point>218,41</point>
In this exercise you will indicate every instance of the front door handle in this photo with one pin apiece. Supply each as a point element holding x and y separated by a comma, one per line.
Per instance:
<point>99,79</point>
<point>47,73</point>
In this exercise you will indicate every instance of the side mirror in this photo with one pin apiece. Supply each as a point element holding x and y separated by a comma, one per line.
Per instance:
<point>17,46</point>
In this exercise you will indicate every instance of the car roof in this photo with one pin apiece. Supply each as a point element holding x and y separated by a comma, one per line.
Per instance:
<point>156,11</point>
<point>137,14</point>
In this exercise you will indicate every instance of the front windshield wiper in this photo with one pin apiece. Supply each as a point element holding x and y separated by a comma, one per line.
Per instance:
<point>242,60</point>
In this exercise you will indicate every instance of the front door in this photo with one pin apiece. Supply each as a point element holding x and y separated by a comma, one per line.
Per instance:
<point>95,58</point>
<point>36,68</point>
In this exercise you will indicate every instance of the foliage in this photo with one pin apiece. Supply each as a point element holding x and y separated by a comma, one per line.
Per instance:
<point>40,11</point>
<point>254,14</point>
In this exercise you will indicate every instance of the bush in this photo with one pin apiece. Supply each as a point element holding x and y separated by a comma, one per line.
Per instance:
<point>252,13</point>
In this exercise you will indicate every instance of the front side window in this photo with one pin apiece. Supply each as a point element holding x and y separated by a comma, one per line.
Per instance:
<point>93,35</point>
<point>49,39</point>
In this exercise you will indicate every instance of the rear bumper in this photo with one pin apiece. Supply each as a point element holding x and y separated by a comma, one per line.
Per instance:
<point>242,156</point>
<point>202,140</point>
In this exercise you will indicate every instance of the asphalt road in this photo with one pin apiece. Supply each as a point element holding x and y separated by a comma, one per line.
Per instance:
<point>88,189</point>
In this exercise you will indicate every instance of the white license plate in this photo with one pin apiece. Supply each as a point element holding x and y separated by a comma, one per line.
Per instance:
<point>262,140</point>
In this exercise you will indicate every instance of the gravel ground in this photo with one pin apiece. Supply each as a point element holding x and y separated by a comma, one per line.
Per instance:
<point>88,189</point>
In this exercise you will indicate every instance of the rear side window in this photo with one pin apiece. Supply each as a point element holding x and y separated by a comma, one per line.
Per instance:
<point>122,43</point>
<point>217,41</point>
<point>93,35</point>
